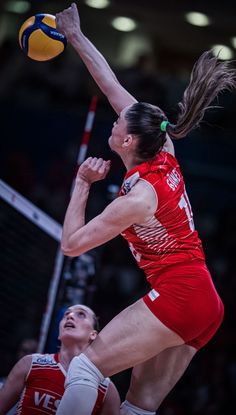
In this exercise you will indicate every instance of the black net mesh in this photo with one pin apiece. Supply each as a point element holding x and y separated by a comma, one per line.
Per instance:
<point>27,257</point>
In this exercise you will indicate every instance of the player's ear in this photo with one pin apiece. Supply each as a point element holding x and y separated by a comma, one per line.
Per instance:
<point>128,139</point>
<point>93,335</point>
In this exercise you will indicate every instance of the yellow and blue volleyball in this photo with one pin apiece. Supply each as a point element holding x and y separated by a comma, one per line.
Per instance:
<point>39,38</point>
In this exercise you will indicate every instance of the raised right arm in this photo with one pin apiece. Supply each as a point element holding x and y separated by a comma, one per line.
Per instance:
<point>68,23</point>
<point>14,385</point>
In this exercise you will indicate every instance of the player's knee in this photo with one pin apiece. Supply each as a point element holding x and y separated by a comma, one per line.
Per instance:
<point>83,372</point>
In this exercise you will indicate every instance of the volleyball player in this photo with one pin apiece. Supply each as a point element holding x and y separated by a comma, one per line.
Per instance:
<point>159,334</point>
<point>37,380</point>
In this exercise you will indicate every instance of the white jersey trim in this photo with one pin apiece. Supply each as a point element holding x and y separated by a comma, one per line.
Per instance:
<point>106,382</point>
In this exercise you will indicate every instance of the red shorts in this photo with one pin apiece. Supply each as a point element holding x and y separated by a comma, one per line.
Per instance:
<point>185,300</point>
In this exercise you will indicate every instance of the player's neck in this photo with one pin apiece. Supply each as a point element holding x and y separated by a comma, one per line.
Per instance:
<point>67,353</point>
<point>130,162</point>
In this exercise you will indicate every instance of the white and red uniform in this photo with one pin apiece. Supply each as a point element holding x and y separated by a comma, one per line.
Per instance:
<point>167,248</point>
<point>44,387</point>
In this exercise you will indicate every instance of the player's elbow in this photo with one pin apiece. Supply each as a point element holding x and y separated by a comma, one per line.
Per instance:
<point>68,249</point>
<point>67,252</point>
<point>74,245</point>
<point>72,249</point>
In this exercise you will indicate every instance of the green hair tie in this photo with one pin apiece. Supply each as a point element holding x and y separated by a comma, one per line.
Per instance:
<point>163,125</point>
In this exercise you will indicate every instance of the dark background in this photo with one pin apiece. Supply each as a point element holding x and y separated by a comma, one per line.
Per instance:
<point>43,109</point>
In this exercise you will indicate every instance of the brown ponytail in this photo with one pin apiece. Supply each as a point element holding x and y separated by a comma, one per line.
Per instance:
<point>209,77</point>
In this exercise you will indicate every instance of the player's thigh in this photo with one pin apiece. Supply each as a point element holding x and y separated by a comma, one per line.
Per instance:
<point>132,337</point>
<point>151,381</point>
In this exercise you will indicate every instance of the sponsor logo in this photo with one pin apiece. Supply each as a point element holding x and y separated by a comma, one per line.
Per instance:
<point>54,33</point>
<point>46,401</point>
<point>45,360</point>
<point>129,183</point>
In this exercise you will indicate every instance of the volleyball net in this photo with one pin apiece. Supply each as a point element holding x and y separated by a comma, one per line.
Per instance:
<point>30,268</point>
<point>34,277</point>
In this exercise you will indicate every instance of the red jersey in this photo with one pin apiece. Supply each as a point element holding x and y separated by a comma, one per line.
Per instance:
<point>169,237</point>
<point>44,387</point>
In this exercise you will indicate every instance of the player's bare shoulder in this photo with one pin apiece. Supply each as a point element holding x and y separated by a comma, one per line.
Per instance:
<point>145,198</point>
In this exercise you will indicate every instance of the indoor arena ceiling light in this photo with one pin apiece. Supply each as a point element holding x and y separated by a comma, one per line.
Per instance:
<point>197,19</point>
<point>233,41</point>
<point>124,24</point>
<point>17,6</point>
<point>224,52</point>
<point>98,4</point>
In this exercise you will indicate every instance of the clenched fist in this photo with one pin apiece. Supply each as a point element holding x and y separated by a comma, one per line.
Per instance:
<point>93,169</point>
<point>68,22</point>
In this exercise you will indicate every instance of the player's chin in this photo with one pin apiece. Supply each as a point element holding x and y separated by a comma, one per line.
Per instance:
<point>111,144</point>
<point>110,141</point>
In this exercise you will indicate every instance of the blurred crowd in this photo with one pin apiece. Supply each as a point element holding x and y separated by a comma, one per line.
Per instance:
<point>44,108</point>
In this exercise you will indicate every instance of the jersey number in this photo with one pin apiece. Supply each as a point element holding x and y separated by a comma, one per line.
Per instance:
<point>185,204</point>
